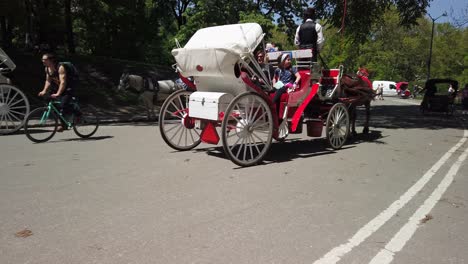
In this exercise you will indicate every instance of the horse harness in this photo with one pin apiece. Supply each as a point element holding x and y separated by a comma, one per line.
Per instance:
<point>150,85</point>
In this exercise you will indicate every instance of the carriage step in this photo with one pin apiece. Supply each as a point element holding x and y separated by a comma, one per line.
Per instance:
<point>309,119</point>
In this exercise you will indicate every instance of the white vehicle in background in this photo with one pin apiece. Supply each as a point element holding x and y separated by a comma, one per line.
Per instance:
<point>389,87</point>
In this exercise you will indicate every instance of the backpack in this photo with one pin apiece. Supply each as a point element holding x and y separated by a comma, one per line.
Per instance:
<point>72,73</point>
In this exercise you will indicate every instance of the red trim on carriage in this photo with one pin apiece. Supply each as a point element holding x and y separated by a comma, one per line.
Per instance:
<point>190,84</point>
<point>297,115</point>
<point>209,134</point>
<point>330,76</point>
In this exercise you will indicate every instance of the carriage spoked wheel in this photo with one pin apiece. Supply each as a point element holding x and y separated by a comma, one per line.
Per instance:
<point>14,108</point>
<point>337,125</point>
<point>177,128</point>
<point>247,129</point>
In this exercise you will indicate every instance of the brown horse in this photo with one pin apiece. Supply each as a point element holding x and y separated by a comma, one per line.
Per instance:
<point>359,89</point>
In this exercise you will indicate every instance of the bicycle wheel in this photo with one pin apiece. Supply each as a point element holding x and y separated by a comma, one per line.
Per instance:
<point>86,124</point>
<point>41,125</point>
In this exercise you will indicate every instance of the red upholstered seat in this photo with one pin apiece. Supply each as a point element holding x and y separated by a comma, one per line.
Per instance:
<point>283,102</point>
<point>330,76</point>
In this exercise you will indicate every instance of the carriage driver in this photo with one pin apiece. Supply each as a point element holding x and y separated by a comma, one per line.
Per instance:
<point>309,35</point>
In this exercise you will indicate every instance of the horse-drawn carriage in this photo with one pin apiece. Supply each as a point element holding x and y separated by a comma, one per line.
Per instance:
<point>222,63</point>
<point>437,97</point>
<point>14,105</point>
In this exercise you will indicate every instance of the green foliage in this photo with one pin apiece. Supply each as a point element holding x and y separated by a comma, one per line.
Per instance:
<point>362,15</point>
<point>264,21</point>
<point>396,53</point>
<point>390,37</point>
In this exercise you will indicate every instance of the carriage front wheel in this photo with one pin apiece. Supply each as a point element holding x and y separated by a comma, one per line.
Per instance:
<point>14,108</point>
<point>247,129</point>
<point>177,128</point>
<point>337,125</point>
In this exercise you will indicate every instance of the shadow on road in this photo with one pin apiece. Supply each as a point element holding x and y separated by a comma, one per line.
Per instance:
<point>141,123</point>
<point>90,139</point>
<point>408,117</point>
<point>299,148</point>
<point>374,136</point>
<point>87,139</point>
<point>382,116</point>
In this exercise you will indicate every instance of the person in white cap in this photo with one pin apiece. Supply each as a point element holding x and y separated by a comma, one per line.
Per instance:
<point>287,75</point>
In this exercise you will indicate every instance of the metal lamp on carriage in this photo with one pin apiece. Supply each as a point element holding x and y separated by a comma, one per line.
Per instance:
<point>221,61</point>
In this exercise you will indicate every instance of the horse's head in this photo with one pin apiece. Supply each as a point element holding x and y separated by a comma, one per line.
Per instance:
<point>124,82</point>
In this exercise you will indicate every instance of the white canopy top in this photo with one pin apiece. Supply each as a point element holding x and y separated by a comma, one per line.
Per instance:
<point>214,51</point>
<point>239,38</point>
<point>5,61</point>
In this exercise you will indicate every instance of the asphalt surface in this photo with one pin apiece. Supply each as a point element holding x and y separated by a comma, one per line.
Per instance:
<point>124,196</point>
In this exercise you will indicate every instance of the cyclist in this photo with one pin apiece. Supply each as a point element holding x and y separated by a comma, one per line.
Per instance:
<point>61,81</point>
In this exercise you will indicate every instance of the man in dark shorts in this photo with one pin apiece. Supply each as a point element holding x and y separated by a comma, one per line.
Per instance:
<point>60,82</point>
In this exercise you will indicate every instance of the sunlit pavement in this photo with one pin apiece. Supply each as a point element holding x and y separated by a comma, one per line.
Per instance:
<point>123,196</point>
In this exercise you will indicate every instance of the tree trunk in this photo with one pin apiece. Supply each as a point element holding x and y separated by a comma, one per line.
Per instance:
<point>3,31</point>
<point>30,32</point>
<point>69,27</point>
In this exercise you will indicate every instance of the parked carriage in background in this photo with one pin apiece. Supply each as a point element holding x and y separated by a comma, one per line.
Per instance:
<point>437,98</point>
<point>402,90</point>
<point>221,61</point>
<point>14,105</point>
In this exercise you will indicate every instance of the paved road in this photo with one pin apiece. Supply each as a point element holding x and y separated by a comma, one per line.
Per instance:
<point>398,194</point>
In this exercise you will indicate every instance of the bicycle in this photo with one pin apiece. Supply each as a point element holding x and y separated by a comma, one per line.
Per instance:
<point>42,123</point>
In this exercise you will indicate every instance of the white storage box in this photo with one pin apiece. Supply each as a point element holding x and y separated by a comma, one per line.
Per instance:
<point>208,105</point>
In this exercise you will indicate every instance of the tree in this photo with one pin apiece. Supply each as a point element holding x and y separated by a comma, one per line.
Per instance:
<point>69,26</point>
<point>461,19</point>
<point>178,8</point>
<point>360,16</point>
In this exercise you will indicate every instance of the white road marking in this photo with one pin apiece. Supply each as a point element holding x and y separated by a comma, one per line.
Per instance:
<point>335,255</point>
<point>400,239</point>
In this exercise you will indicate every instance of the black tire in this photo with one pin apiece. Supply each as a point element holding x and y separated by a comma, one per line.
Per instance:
<point>172,115</point>
<point>247,129</point>
<point>39,129</point>
<point>86,124</point>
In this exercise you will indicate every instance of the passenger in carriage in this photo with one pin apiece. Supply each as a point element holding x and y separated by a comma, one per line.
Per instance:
<point>267,68</point>
<point>309,35</point>
<point>288,75</point>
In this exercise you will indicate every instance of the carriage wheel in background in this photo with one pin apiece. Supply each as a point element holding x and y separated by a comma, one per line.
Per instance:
<point>337,125</point>
<point>14,108</point>
<point>177,128</point>
<point>247,129</point>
